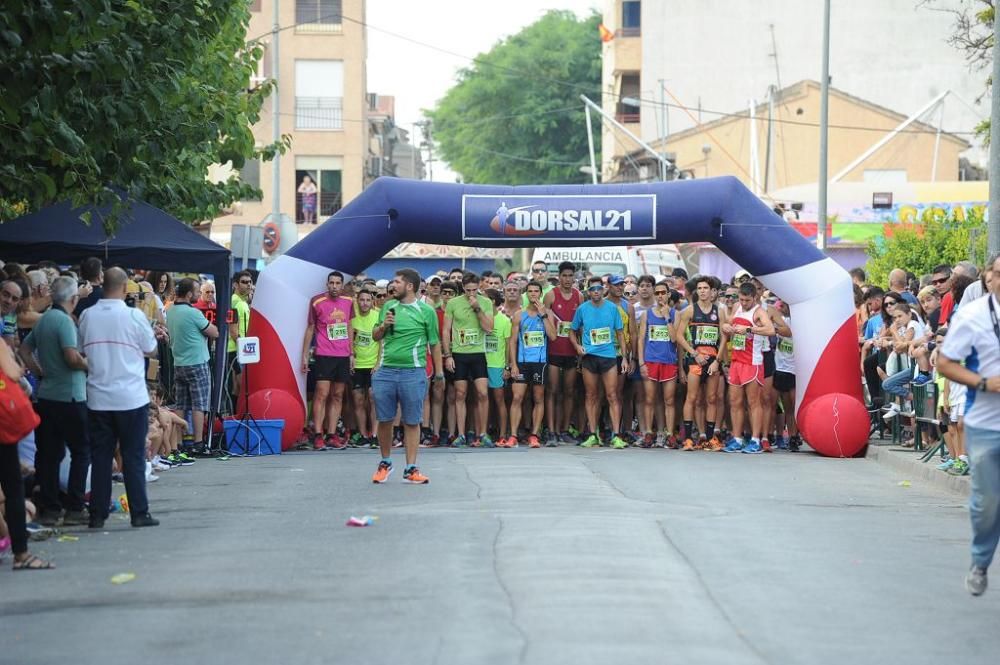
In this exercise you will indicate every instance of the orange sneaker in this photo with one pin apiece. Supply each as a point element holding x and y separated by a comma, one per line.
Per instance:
<point>382,473</point>
<point>533,442</point>
<point>714,445</point>
<point>688,444</point>
<point>413,475</point>
<point>512,442</point>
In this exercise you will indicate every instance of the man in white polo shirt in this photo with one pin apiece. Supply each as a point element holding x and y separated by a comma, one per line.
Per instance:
<point>974,337</point>
<point>116,338</point>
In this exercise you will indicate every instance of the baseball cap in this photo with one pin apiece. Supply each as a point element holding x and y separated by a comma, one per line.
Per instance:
<point>431,278</point>
<point>740,274</point>
<point>382,283</point>
<point>615,280</point>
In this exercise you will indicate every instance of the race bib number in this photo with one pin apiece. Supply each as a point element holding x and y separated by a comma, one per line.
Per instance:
<point>363,338</point>
<point>785,345</point>
<point>492,343</point>
<point>659,333</point>
<point>706,336</point>
<point>739,342</point>
<point>562,330</point>
<point>469,337</point>
<point>336,331</point>
<point>600,336</point>
<point>533,339</point>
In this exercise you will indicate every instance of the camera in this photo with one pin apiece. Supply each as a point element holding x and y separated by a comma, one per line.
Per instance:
<point>130,299</point>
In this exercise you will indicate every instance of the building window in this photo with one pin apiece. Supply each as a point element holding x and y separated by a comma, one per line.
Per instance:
<point>325,172</point>
<point>319,94</point>
<point>631,18</point>
<point>250,173</point>
<point>627,109</point>
<point>318,15</point>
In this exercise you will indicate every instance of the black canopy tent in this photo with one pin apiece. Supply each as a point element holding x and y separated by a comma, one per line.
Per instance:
<point>145,237</point>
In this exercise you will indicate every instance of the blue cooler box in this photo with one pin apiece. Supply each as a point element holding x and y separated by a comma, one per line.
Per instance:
<point>243,438</point>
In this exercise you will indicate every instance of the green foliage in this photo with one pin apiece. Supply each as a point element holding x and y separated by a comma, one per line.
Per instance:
<point>938,239</point>
<point>505,120</point>
<point>140,95</point>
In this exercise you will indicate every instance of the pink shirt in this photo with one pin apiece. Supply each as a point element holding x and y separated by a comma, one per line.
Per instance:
<point>330,316</point>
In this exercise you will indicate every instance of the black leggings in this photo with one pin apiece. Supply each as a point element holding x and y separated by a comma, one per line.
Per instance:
<point>13,490</point>
<point>872,378</point>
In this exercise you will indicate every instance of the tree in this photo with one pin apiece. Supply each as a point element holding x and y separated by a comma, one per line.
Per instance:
<point>937,239</point>
<point>138,95</point>
<point>515,116</point>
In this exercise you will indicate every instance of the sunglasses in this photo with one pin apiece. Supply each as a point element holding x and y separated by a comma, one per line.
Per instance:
<point>940,280</point>
<point>660,293</point>
<point>731,296</point>
<point>538,270</point>
<point>245,281</point>
<point>631,294</point>
<point>380,295</point>
<point>595,287</point>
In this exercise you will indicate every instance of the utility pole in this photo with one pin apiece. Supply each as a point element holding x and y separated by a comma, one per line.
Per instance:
<point>425,126</point>
<point>664,118</point>
<point>824,122</point>
<point>993,224</point>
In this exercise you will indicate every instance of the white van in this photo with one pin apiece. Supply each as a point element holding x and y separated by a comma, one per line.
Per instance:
<point>619,260</point>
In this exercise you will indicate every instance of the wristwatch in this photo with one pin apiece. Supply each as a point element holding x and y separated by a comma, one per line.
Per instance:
<point>981,386</point>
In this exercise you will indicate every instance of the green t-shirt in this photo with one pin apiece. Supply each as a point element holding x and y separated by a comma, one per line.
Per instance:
<point>365,348</point>
<point>242,309</point>
<point>416,326</point>
<point>467,334</point>
<point>186,324</point>
<point>496,341</point>
<point>52,333</point>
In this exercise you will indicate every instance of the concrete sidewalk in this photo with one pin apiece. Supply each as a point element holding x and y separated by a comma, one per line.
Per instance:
<point>907,461</point>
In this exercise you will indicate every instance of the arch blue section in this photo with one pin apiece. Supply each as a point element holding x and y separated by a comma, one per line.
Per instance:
<point>717,210</point>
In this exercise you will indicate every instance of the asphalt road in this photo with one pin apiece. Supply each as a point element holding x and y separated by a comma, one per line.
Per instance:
<point>516,556</point>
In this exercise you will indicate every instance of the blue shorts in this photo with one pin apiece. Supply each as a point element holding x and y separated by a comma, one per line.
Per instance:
<point>403,386</point>
<point>495,376</point>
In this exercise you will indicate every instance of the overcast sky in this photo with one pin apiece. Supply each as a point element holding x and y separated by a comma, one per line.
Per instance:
<point>416,74</point>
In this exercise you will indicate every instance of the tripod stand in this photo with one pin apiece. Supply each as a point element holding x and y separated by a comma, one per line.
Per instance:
<point>247,423</point>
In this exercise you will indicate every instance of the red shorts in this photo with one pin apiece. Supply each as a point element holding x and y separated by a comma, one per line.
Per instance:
<point>741,374</point>
<point>661,372</point>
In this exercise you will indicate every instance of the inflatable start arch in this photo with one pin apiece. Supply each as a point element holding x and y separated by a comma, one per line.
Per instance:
<point>831,412</point>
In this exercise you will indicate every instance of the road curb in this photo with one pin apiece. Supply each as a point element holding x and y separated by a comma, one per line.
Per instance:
<point>908,462</point>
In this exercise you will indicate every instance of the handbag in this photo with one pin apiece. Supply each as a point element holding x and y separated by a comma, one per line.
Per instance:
<point>17,416</point>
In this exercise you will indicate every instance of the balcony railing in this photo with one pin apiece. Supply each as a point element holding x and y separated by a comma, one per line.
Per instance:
<point>630,32</point>
<point>329,203</point>
<point>319,113</point>
<point>626,113</point>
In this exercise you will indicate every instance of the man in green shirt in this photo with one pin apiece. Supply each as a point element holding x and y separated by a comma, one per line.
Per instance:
<point>192,379</point>
<point>497,367</point>
<point>406,328</point>
<point>467,320</point>
<point>240,304</point>
<point>365,356</point>
<point>62,406</point>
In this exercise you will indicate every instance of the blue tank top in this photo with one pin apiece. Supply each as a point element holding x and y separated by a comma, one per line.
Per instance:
<point>533,343</point>
<point>660,346</point>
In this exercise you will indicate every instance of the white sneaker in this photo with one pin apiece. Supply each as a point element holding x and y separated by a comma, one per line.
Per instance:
<point>891,412</point>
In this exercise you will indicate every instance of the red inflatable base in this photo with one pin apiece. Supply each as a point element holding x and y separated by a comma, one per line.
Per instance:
<point>272,404</point>
<point>835,424</point>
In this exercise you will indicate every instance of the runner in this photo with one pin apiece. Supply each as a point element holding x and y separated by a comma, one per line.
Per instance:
<point>532,327</point>
<point>562,302</point>
<point>598,323</point>
<point>657,355</point>
<point>330,324</point>
<point>701,322</point>
<point>497,365</point>
<point>748,327</point>
<point>784,382</point>
<point>366,352</point>
<point>616,295</point>
<point>406,328</point>
<point>467,319</point>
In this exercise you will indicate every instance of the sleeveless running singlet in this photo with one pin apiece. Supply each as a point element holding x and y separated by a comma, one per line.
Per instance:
<point>564,310</point>
<point>704,330</point>
<point>659,345</point>
<point>531,345</point>
<point>784,360</point>
<point>747,347</point>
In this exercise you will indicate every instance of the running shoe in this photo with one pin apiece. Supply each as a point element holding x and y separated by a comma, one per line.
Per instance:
<point>648,440</point>
<point>891,412</point>
<point>794,444</point>
<point>356,440</point>
<point>714,445</point>
<point>661,440</point>
<point>573,432</point>
<point>688,445</point>
<point>487,441</point>
<point>178,459</point>
<point>458,442</point>
<point>945,465</point>
<point>734,445</point>
<point>753,447</point>
<point>781,443</point>
<point>383,472</point>
<point>591,442</point>
<point>533,441</point>
<point>373,441</point>
<point>334,442</point>
<point>397,440</point>
<point>976,581</point>
<point>566,437</point>
<point>551,441</point>
<point>185,457</point>
<point>673,442</point>
<point>959,468</point>
<point>319,442</point>
<point>413,475</point>
<point>765,445</point>
<point>618,443</point>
